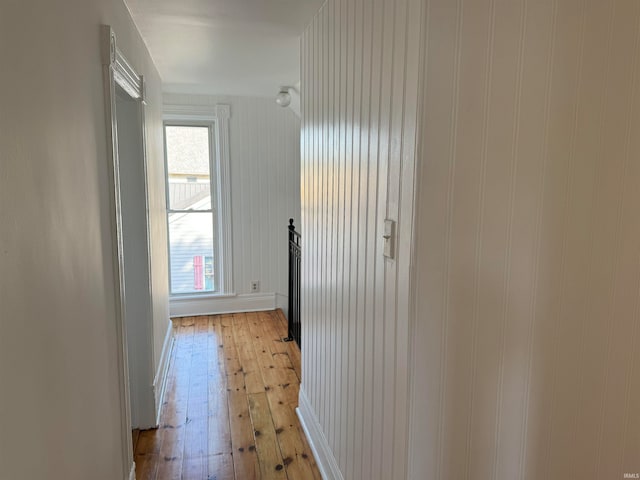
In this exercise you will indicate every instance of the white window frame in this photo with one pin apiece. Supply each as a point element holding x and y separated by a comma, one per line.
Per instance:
<point>217,119</point>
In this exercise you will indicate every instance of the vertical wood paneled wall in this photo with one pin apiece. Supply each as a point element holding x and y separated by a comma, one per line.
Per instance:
<point>527,242</point>
<point>265,186</point>
<point>359,108</point>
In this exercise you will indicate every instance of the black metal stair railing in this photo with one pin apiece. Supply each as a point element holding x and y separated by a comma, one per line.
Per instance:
<point>295,250</point>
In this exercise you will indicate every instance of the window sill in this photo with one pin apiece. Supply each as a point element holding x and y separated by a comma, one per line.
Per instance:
<point>200,296</point>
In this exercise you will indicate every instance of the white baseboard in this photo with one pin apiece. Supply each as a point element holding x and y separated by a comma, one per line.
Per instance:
<point>160,379</point>
<point>132,472</point>
<point>325,459</point>
<point>214,305</point>
<point>282,302</point>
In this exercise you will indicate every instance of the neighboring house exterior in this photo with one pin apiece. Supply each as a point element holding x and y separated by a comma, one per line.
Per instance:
<point>191,239</point>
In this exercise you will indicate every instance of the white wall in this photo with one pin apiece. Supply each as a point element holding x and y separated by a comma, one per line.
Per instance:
<point>359,96</point>
<point>265,186</point>
<point>527,274</point>
<point>58,363</point>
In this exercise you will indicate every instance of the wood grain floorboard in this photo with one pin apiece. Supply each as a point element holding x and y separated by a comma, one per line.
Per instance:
<point>229,409</point>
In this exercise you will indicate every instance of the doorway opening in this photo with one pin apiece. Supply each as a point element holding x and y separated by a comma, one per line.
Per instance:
<point>135,250</point>
<point>133,323</point>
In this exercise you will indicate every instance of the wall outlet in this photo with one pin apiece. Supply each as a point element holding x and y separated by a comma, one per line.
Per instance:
<point>255,286</point>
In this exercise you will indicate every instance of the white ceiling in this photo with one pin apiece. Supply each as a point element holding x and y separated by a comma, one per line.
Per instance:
<point>233,47</point>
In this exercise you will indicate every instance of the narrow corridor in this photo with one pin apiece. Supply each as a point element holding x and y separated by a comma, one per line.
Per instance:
<point>229,410</point>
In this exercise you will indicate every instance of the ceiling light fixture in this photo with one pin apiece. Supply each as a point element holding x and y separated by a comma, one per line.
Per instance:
<point>284,97</point>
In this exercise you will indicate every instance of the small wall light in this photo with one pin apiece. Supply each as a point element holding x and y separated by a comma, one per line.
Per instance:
<point>284,97</point>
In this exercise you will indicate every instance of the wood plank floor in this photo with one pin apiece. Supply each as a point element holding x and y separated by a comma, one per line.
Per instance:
<point>229,411</point>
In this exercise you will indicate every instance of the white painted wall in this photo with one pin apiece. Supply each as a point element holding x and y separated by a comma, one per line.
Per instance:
<point>527,274</point>
<point>359,99</point>
<point>265,186</point>
<point>58,363</point>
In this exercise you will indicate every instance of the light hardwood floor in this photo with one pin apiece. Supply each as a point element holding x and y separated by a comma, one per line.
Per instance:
<point>229,411</point>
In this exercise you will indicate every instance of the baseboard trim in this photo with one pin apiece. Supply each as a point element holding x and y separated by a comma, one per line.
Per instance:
<point>282,302</point>
<point>160,380</point>
<point>132,472</point>
<point>250,302</point>
<point>325,459</point>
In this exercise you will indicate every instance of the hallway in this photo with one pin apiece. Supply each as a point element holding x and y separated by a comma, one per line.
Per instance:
<point>229,410</point>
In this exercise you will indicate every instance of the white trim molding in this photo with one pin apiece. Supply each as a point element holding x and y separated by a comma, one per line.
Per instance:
<point>282,302</point>
<point>132,472</point>
<point>191,305</point>
<point>123,73</point>
<point>325,459</point>
<point>160,379</point>
<point>223,169</point>
<point>191,112</point>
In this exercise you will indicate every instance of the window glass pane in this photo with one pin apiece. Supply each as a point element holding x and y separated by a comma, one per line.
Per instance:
<point>191,252</point>
<point>188,167</point>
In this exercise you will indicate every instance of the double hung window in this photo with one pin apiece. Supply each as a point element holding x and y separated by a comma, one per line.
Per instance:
<point>192,210</point>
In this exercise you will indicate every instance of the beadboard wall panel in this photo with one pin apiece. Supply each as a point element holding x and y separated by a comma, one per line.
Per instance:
<point>359,108</point>
<point>527,276</point>
<point>265,186</point>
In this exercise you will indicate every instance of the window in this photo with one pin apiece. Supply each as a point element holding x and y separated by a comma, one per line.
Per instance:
<point>194,252</point>
<point>198,200</point>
